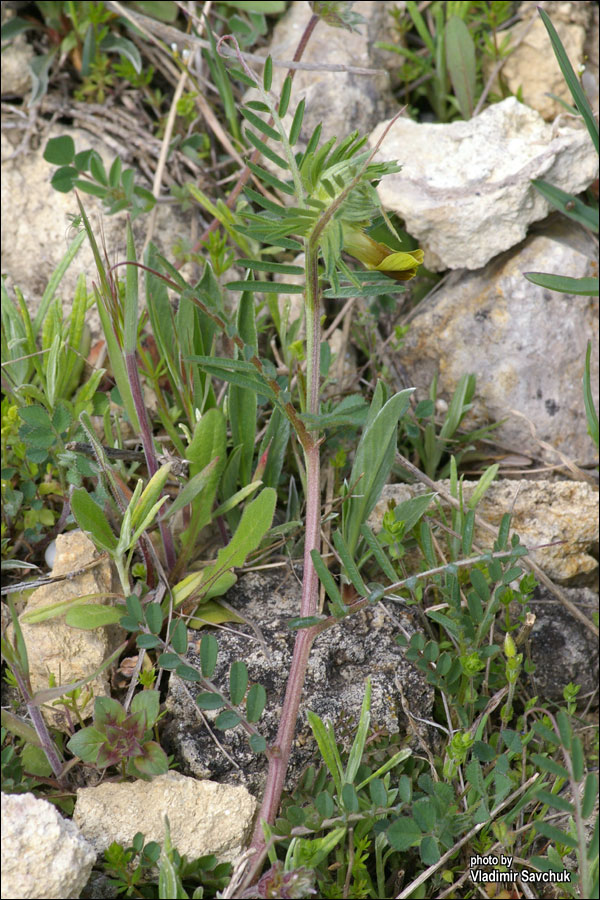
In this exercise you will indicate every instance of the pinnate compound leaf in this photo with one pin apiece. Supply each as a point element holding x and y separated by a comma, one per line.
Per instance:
<point>555,834</point>
<point>147,641</point>
<point>209,649</point>
<point>227,719</point>
<point>265,150</point>
<point>178,636</point>
<point>259,124</point>
<point>187,673</point>
<point>257,743</point>
<point>208,700</point>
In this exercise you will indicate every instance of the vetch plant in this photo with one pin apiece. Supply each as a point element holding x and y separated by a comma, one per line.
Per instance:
<point>369,818</point>
<point>333,191</point>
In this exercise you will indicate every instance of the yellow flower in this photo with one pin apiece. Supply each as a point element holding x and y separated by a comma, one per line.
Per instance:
<point>399,265</point>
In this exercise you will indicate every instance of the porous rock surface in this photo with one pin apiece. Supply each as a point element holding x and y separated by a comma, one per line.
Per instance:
<point>531,67</point>
<point>557,520</point>
<point>342,657</point>
<point>562,650</point>
<point>526,345</point>
<point>54,648</point>
<point>43,855</point>
<point>204,817</point>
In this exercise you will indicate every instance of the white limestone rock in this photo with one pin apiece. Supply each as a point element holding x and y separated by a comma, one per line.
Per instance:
<point>70,654</point>
<point>204,817</point>
<point>465,188</point>
<point>43,855</point>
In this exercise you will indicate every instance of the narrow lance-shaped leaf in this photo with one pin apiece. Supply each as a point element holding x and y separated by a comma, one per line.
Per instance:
<point>327,747</point>
<point>581,101</point>
<point>207,454</point>
<point>569,205</point>
<point>460,59</point>
<point>92,520</point>
<point>586,286</point>
<point>588,399</point>
<point>219,577</point>
<point>372,464</point>
<point>328,582</point>
<point>243,402</point>
<point>358,745</point>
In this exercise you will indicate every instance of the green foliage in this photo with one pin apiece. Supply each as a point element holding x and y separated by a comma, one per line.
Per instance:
<point>444,53</point>
<point>85,170</point>
<point>121,738</point>
<point>568,204</point>
<point>590,409</point>
<point>372,809</point>
<point>434,444</point>
<point>132,870</point>
<point>83,34</point>
<point>43,361</point>
<point>21,762</point>
<point>575,209</point>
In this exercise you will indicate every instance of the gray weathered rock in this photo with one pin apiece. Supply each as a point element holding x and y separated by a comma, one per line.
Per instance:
<point>557,518</point>
<point>204,817</point>
<point>69,653</point>
<point>341,101</point>
<point>562,649</point>
<point>525,344</point>
<point>341,660</point>
<point>465,188</point>
<point>43,855</point>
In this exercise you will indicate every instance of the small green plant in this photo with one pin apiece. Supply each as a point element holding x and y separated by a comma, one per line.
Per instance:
<point>132,870</point>
<point>43,361</point>
<point>444,50</point>
<point>21,760</point>
<point>434,444</point>
<point>85,170</point>
<point>82,34</point>
<point>121,738</point>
